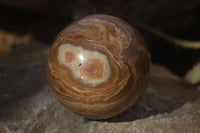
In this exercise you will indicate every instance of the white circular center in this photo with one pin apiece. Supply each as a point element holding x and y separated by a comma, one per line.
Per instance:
<point>81,62</point>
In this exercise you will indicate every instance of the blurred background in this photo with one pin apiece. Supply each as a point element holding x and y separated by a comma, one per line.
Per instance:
<point>25,21</point>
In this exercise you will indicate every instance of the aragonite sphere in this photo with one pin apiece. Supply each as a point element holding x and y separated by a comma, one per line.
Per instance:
<point>98,66</point>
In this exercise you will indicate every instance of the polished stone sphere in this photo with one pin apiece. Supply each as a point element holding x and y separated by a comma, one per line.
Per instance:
<point>98,66</point>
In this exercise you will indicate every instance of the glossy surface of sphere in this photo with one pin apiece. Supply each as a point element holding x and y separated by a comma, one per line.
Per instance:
<point>98,66</point>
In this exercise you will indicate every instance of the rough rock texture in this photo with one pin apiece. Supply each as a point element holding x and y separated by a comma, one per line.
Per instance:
<point>28,105</point>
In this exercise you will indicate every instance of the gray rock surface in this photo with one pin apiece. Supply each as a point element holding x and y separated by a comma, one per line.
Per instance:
<point>27,104</point>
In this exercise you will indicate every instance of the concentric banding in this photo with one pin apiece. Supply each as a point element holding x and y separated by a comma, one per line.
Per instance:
<point>98,66</point>
<point>89,67</point>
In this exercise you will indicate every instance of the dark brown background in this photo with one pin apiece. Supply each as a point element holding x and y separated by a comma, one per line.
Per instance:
<point>45,18</point>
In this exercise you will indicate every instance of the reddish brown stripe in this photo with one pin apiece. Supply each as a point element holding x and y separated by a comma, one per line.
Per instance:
<point>69,56</point>
<point>92,69</point>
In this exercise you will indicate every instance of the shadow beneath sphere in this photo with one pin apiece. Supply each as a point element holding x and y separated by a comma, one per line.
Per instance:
<point>164,95</point>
